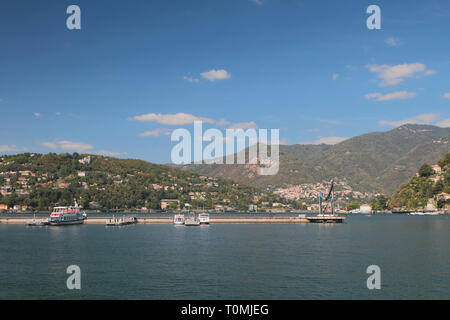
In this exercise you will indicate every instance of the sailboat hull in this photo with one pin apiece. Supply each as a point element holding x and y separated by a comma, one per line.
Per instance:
<point>325,219</point>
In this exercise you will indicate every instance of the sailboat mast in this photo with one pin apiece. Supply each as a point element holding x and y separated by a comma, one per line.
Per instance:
<point>332,202</point>
<point>320,204</point>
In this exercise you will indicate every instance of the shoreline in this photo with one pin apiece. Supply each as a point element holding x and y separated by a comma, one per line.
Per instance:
<point>240,220</point>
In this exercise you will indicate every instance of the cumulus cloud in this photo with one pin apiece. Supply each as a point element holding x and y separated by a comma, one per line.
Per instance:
<point>191,79</point>
<point>391,96</point>
<point>326,140</point>
<point>444,123</point>
<point>213,75</point>
<point>156,132</point>
<point>426,118</point>
<point>393,42</point>
<point>446,95</point>
<point>67,145</point>
<point>170,119</point>
<point>11,148</point>
<point>393,75</point>
<point>244,125</point>
<point>222,122</point>
<point>108,153</point>
<point>81,147</point>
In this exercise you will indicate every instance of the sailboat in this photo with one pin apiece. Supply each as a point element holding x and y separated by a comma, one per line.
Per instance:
<point>323,216</point>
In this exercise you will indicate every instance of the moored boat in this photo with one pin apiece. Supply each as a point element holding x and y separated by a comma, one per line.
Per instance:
<point>323,216</point>
<point>192,220</point>
<point>203,218</point>
<point>178,219</point>
<point>67,215</point>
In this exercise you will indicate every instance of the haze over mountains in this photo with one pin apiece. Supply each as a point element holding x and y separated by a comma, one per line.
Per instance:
<point>375,162</point>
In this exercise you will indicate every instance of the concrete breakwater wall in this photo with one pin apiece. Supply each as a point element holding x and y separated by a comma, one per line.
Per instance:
<point>168,220</point>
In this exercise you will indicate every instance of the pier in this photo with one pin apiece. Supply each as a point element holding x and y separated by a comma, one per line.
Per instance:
<point>169,220</point>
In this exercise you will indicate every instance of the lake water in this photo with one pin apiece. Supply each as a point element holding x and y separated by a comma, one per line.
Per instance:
<point>230,261</point>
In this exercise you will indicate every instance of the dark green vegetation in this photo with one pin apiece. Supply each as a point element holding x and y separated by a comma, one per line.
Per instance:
<point>427,185</point>
<point>374,162</point>
<point>97,182</point>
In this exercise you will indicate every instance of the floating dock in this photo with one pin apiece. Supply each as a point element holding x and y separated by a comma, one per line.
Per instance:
<point>169,220</point>
<point>121,221</point>
<point>38,222</point>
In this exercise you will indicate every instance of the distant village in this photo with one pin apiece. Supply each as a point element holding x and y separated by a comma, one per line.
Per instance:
<point>308,193</point>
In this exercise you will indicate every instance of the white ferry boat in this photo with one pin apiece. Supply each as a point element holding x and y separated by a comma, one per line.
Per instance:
<point>67,215</point>
<point>203,218</point>
<point>178,219</point>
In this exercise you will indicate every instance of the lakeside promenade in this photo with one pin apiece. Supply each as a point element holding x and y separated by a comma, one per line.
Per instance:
<point>169,220</point>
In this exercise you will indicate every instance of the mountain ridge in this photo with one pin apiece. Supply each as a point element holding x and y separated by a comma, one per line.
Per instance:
<point>376,161</point>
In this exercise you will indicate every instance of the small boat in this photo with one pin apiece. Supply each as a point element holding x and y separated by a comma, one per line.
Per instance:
<point>67,215</point>
<point>417,213</point>
<point>203,218</point>
<point>178,219</point>
<point>121,221</point>
<point>192,220</point>
<point>38,222</point>
<point>431,213</point>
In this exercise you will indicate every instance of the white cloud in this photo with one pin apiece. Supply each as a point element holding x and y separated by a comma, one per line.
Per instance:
<point>258,2</point>
<point>391,96</point>
<point>393,75</point>
<point>426,118</point>
<point>326,140</point>
<point>393,42</point>
<point>48,144</point>
<point>190,79</point>
<point>222,122</point>
<point>11,148</point>
<point>108,153</point>
<point>67,145</point>
<point>446,95</point>
<point>335,76</point>
<point>156,132</point>
<point>170,119</point>
<point>37,114</point>
<point>444,123</point>
<point>244,125</point>
<point>78,147</point>
<point>212,75</point>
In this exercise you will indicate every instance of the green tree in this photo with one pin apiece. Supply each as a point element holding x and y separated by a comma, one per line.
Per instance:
<point>379,203</point>
<point>353,206</point>
<point>426,171</point>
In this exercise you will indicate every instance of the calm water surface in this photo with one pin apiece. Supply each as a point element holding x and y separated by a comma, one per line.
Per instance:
<point>235,261</point>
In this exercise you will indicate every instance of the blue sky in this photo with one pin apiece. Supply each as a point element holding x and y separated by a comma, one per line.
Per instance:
<point>139,69</point>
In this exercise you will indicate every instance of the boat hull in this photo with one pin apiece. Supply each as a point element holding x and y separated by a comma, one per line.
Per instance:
<point>191,223</point>
<point>325,219</point>
<point>66,223</point>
